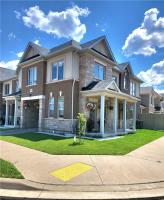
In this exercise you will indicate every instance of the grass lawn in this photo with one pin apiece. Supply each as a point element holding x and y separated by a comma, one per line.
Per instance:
<point>65,146</point>
<point>7,170</point>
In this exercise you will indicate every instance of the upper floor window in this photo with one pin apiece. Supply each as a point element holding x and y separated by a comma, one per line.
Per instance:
<point>58,70</point>
<point>126,81</point>
<point>99,71</point>
<point>32,76</point>
<point>51,107</point>
<point>7,89</point>
<point>17,86</point>
<point>61,107</point>
<point>133,88</point>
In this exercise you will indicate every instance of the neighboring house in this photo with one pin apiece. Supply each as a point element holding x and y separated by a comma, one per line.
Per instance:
<point>150,100</point>
<point>58,83</point>
<point>7,87</point>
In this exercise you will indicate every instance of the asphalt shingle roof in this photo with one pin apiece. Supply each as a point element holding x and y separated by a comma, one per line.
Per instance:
<point>6,74</point>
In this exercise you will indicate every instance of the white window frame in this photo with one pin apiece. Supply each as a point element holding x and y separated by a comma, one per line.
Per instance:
<point>102,67</point>
<point>33,71</point>
<point>133,88</point>
<point>57,70</point>
<point>7,84</point>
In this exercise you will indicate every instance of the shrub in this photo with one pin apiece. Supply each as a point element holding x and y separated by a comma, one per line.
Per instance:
<point>81,125</point>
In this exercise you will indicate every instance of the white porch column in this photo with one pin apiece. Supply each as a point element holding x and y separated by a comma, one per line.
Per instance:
<point>102,113</point>
<point>21,117</point>
<point>124,115</point>
<point>134,116</point>
<point>41,112</point>
<point>15,112</point>
<point>115,117</point>
<point>6,117</point>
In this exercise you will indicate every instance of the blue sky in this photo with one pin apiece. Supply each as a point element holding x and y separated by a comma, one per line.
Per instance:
<point>134,29</point>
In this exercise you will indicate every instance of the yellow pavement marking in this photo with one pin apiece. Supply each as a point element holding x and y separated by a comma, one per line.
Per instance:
<point>71,171</point>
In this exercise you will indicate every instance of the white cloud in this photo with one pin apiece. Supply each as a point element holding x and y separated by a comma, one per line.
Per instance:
<point>153,76</point>
<point>103,30</point>
<point>159,91</point>
<point>61,24</point>
<point>17,14</point>
<point>37,42</point>
<point>11,36</point>
<point>12,64</point>
<point>19,54</point>
<point>97,24</point>
<point>148,37</point>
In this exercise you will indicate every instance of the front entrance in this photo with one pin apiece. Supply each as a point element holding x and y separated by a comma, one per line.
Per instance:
<point>11,109</point>
<point>30,113</point>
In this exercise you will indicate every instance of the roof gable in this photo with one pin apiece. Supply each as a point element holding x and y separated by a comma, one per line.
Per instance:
<point>113,86</point>
<point>101,46</point>
<point>33,50</point>
<point>106,85</point>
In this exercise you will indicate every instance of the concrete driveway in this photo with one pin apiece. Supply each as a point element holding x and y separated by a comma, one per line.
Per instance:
<point>142,166</point>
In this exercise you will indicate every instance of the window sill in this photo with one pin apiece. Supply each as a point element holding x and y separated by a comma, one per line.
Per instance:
<point>56,81</point>
<point>31,85</point>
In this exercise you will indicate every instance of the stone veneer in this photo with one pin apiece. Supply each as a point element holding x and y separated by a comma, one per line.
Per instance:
<point>86,73</point>
<point>58,125</point>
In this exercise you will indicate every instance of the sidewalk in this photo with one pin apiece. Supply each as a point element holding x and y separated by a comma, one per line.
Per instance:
<point>140,170</point>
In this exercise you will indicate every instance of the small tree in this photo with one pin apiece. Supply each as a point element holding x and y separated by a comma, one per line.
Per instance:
<point>81,125</point>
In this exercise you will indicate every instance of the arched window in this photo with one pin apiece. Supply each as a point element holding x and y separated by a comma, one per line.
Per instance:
<point>61,107</point>
<point>51,107</point>
<point>126,80</point>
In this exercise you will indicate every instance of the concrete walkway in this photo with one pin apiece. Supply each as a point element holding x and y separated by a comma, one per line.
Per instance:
<point>142,168</point>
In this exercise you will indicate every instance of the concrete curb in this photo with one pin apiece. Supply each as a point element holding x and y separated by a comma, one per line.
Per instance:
<point>24,189</point>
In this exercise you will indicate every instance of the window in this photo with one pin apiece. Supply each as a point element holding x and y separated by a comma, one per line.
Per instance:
<point>61,107</point>
<point>51,107</point>
<point>16,86</point>
<point>133,88</point>
<point>126,81</point>
<point>99,71</point>
<point>58,70</point>
<point>114,78</point>
<point>32,76</point>
<point>7,89</point>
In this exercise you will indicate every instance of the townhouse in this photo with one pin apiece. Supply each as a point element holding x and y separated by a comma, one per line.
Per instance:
<point>53,85</point>
<point>151,101</point>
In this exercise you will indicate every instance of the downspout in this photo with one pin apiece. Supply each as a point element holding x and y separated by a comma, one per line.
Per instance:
<point>73,85</point>
<point>73,100</point>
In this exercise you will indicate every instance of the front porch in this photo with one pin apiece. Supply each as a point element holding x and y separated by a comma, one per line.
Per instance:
<point>12,111</point>
<point>109,111</point>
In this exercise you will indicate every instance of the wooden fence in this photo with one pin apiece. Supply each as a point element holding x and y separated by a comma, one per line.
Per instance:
<point>152,121</point>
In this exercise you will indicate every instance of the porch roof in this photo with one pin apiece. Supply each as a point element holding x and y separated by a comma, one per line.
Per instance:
<point>15,95</point>
<point>110,89</point>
